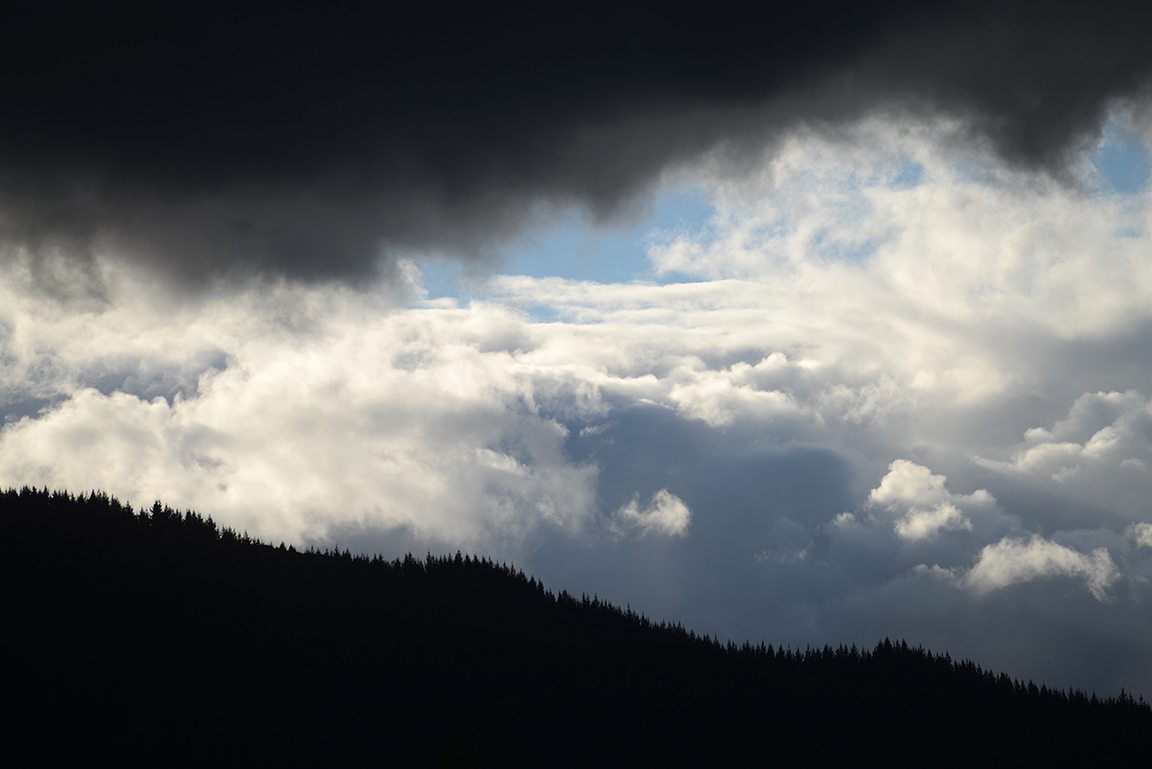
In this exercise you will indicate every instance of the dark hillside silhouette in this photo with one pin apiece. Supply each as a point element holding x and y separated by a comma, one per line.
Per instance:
<point>158,637</point>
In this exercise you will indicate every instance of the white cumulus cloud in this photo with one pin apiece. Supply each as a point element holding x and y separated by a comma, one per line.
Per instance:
<point>922,505</point>
<point>1013,560</point>
<point>665,514</point>
<point>1099,455</point>
<point>1140,533</point>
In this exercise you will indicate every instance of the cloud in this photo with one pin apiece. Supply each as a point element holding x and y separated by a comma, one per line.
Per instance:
<point>1011,561</point>
<point>326,145</point>
<point>877,323</point>
<point>335,412</point>
<point>786,344</point>
<point>1141,534</point>
<point>921,524</point>
<point>923,506</point>
<point>1100,427</point>
<point>1098,455</point>
<point>665,514</point>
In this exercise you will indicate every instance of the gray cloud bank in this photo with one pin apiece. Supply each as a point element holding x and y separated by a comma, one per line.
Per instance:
<point>209,142</point>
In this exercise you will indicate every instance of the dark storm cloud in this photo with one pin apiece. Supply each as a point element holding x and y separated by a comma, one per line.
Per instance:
<point>309,143</point>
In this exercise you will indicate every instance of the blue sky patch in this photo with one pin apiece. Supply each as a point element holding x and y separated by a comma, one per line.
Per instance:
<point>1122,159</point>
<point>575,250</point>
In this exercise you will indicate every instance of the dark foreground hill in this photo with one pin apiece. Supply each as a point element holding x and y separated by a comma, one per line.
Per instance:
<point>159,638</point>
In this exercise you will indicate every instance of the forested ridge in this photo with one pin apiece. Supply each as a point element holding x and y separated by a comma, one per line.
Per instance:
<point>156,636</point>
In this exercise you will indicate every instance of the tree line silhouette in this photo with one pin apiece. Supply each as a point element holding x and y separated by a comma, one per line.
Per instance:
<point>158,636</point>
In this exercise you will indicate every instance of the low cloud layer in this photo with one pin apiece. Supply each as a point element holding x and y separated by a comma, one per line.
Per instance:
<point>896,389</point>
<point>327,144</point>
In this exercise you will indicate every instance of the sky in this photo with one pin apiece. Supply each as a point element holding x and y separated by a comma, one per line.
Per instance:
<point>810,323</point>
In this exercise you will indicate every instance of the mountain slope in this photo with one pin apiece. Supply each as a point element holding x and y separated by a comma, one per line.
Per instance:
<point>158,637</point>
